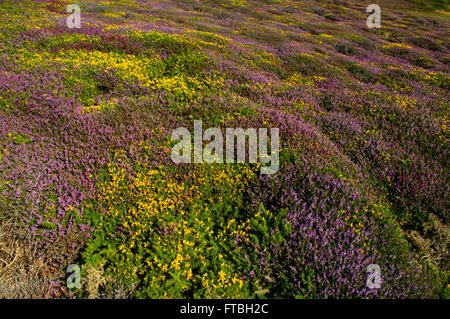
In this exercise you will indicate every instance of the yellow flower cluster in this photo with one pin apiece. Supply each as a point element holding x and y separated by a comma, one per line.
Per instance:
<point>37,17</point>
<point>100,106</point>
<point>296,79</point>
<point>146,70</point>
<point>396,45</point>
<point>171,225</point>
<point>129,67</point>
<point>404,102</point>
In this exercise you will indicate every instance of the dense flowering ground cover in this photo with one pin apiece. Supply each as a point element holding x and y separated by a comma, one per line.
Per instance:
<point>86,117</point>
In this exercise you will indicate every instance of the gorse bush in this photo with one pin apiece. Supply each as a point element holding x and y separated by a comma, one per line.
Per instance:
<point>173,239</point>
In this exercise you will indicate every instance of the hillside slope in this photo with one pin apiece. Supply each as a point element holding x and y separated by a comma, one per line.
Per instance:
<point>86,118</point>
